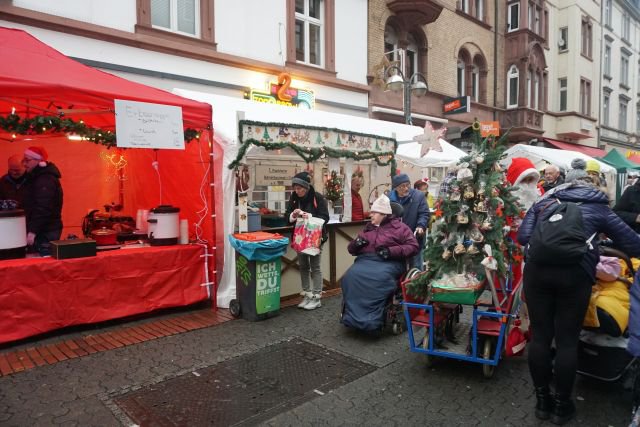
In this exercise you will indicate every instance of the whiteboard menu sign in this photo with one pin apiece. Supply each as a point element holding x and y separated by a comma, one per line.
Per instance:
<point>145,125</point>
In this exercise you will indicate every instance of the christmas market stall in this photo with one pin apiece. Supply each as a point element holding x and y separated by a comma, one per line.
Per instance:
<point>265,145</point>
<point>80,119</point>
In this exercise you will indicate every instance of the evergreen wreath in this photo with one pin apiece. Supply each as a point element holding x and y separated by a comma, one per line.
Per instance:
<point>45,125</point>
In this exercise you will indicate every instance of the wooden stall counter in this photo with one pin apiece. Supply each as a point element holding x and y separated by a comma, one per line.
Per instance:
<point>38,295</point>
<point>335,257</point>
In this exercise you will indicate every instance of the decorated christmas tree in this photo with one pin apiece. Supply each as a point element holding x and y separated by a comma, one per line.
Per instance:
<point>474,218</point>
<point>333,190</point>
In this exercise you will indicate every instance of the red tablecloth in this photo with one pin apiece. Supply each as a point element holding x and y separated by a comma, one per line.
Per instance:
<point>42,294</point>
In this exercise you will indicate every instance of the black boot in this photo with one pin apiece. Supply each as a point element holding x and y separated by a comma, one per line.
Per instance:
<point>544,403</point>
<point>563,409</point>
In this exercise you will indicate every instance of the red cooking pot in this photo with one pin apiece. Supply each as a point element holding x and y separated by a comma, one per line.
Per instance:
<point>105,236</point>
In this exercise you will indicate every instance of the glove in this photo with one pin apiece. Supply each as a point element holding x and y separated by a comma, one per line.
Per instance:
<point>360,242</point>
<point>383,252</point>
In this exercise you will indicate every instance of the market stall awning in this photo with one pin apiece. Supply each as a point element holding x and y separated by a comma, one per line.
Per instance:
<point>36,79</point>
<point>618,161</point>
<point>589,151</point>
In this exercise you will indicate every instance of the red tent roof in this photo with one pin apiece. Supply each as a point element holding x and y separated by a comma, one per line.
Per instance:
<point>36,79</point>
<point>589,151</point>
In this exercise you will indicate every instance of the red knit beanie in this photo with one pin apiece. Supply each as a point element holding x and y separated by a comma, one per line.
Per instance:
<point>519,169</point>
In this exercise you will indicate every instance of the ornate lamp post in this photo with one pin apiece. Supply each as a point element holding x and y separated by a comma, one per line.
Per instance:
<point>416,84</point>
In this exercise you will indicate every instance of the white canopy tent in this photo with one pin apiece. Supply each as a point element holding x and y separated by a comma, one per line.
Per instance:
<point>226,112</point>
<point>541,156</point>
<point>410,152</point>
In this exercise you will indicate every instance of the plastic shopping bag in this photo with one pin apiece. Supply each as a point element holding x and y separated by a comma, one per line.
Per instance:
<point>307,236</point>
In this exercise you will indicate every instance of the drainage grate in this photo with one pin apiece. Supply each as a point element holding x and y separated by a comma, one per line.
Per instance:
<point>245,390</point>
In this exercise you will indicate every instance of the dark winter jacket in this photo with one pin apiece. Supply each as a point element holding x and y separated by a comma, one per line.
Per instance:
<point>628,207</point>
<point>597,217</point>
<point>43,199</point>
<point>12,189</point>
<point>313,203</point>
<point>416,212</point>
<point>392,234</point>
<point>548,186</point>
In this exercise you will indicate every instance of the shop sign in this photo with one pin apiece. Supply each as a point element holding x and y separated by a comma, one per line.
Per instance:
<point>489,129</point>
<point>458,105</point>
<point>145,125</point>
<point>282,93</point>
<point>275,175</point>
<point>268,282</point>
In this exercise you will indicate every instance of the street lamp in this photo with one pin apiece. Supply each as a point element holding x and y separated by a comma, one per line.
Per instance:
<point>416,84</point>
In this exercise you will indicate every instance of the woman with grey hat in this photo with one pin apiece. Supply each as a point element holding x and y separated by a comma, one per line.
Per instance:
<point>415,211</point>
<point>306,201</point>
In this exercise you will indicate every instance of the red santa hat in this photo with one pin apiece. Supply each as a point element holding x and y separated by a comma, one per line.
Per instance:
<point>520,169</point>
<point>37,153</point>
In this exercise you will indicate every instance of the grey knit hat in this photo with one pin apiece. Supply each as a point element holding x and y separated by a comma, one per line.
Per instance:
<point>575,174</point>
<point>302,179</point>
<point>578,164</point>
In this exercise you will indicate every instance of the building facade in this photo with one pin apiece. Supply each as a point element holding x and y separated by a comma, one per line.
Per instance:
<point>221,47</point>
<point>453,44</point>
<point>619,123</point>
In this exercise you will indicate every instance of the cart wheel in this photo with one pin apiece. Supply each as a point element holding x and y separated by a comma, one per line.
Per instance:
<point>488,370</point>
<point>425,345</point>
<point>234,308</point>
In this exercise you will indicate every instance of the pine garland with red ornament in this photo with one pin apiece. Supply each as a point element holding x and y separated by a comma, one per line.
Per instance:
<point>473,221</point>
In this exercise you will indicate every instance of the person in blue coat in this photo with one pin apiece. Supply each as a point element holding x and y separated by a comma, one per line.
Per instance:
<point>415,214</point>
<point>558,295</point>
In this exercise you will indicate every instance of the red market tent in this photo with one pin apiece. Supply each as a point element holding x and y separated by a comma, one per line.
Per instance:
<point>37,80</point>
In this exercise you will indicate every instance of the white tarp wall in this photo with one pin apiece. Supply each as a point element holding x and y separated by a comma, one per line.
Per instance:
<point>541,156</point>
<point>225,126</point>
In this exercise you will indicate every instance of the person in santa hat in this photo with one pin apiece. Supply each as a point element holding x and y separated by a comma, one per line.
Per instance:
<point>43,200</point>
<point>523,175</point>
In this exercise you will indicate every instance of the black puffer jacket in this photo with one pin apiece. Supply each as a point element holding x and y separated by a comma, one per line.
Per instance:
<point>43,199</point>
<point>597,217</point>
<point>628,207</point>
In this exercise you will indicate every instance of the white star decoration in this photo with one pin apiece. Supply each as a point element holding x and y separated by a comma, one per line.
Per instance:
<point>430,139</point>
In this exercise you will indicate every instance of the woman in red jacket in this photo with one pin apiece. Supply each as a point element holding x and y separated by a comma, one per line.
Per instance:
<point>382,249</point>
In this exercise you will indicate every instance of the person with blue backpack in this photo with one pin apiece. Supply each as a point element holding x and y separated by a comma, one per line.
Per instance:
<point>560,234</point>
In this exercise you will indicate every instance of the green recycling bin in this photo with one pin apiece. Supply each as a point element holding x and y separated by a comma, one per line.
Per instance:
<point>258,277</point>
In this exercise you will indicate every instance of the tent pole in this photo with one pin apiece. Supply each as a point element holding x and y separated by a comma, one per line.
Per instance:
<point>212,268</point>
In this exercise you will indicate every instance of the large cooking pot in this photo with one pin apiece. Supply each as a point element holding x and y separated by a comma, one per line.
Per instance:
<point>105,236</point>
<point>13,234</point>
<point>164,225</point>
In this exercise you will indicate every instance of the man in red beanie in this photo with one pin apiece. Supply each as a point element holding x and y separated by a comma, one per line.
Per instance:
<point>43,200</point>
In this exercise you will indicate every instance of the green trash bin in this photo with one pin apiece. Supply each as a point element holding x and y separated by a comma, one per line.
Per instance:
<point>258,278</point>
<point>258,288</point>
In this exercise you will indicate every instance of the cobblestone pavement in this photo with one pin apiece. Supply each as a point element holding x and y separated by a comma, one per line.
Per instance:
<point>400,391</point>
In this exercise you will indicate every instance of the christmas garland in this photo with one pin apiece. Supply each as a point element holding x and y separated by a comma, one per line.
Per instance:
<point>311,154</point>
<point>40,125</point>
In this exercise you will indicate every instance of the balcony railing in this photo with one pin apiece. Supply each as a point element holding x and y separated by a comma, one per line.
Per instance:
<point>522,117</point>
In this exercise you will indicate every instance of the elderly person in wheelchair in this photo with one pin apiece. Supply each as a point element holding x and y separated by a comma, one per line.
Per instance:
<point>382,249</point>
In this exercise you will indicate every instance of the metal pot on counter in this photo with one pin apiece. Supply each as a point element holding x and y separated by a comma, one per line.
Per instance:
<point>105,236</point>
<point>13,234</point>
<point>164,225</point>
